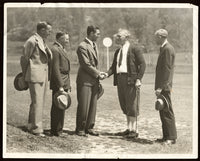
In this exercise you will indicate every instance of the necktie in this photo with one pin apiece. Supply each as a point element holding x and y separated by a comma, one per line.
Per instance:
<point>94,47</point>
<point>120,58</point>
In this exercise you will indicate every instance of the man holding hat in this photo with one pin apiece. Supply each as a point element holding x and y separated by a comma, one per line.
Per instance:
<point>163,86</point>
<point>36,71</point>
<point>128,68</point>
<point>60,81</point>
<point>88,83</point>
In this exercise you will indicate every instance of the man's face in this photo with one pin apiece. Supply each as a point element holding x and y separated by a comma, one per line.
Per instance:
<point>158,39</point>
<point>120,39</point>
<point>64,40</point>
<point>95,35</point>
<point>46,32</point>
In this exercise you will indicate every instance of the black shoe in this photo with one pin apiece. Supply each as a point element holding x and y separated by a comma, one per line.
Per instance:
<point>126,132</point>
<point>132,134</point>
<point>160,140</point>
<point>81,133</point>
<point>56,133</point>
<point>92,132</point>
<point>169,142</point>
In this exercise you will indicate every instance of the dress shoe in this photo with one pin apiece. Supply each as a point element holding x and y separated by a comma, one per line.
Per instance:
<point>160,140</point>
<point>81,133</point>
<point>169,142</point>
<point>126,132</point>
<point>92,132</point>
<point>56,132</point>
<point>132,134</point>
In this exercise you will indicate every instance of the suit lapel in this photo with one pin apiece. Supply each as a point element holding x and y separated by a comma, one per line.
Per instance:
<point>92,50</point>
<point>62,51</point>
<point>40,44</point>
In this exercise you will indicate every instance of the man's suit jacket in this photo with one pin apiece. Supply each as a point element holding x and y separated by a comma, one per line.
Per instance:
<point>60,68</point>
<point>165,68</point>
<point>37,59</point>
<point>135,65</point>
<point>88,70</point>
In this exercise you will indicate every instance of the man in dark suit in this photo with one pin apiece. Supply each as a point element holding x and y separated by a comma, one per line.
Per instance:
<point>36,71</point>
<point>128,68</point>
<point>163,85</point>
<point>88,83</point>
<point>60,80</point>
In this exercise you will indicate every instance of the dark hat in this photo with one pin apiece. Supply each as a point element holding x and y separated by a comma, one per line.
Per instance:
<point>161,103</point>
<point>100,91</point>
<point>19,83</point>
<point>62,100</point>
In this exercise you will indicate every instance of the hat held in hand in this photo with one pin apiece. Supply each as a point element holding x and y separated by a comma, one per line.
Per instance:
<point>100,91</point>
<point>62,100</point>
<point>161,103</point>
<point>19,83</point>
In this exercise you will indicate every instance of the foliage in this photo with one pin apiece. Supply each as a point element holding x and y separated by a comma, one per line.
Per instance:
<point>142,22</point>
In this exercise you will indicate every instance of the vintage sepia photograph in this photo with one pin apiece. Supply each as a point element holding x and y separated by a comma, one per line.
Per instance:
<point>100,80</point>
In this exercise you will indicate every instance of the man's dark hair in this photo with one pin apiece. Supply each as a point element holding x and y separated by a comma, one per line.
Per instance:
<point>42,24</point>
<point>91,29</point>
<point>59,34</point>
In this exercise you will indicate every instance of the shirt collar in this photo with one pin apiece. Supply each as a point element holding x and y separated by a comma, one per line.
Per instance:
<point>126,44</point>
<point>89,41</point>
<point>165,42</point>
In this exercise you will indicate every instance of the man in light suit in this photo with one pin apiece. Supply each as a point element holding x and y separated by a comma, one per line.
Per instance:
<point>128,68</point>
<point>87,83</point>
<point>60,80</point>
<point>163,85</point>
<point>36,72</point>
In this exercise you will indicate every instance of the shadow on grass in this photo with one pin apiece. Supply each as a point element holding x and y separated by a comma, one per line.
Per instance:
<point>136,140</point>
<point>23,128</point>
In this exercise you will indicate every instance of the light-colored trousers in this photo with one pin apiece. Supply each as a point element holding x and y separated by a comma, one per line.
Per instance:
<point>38,94</point>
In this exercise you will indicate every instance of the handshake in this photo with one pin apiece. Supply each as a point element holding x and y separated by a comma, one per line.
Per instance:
<point>103,75</point>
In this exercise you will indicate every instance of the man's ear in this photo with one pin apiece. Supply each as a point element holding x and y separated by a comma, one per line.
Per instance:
<point>43,30</point>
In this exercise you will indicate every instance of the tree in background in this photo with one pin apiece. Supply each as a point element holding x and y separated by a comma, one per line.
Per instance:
<point>142,22</point>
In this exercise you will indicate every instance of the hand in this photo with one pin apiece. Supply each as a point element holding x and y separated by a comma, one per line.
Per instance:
<point>103,75</point>
<point>158,91</point>
<point>61,89</point>
<point>138,83</point>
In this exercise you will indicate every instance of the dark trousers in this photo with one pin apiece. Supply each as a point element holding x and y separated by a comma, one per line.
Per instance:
<point>86,110</point>
<point>57,117</point>
<point>168,119</point>
<point>129,96</point>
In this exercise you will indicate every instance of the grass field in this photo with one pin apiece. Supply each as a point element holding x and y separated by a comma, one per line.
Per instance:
<point>109,120</point>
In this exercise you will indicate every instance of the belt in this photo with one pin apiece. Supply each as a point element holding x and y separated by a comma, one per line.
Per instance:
<point>122,73</point>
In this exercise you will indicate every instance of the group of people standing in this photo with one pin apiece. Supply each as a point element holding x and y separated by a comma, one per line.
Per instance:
<point>128,68</point>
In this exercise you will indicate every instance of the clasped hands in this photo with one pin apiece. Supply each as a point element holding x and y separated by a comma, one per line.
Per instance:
<point>103,75</point>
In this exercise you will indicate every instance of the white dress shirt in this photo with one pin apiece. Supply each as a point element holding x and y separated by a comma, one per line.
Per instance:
<point>123,66</point>
<point>165,42</point>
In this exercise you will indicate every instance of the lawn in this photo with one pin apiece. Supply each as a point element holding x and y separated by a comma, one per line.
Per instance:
<point>109,120</point>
